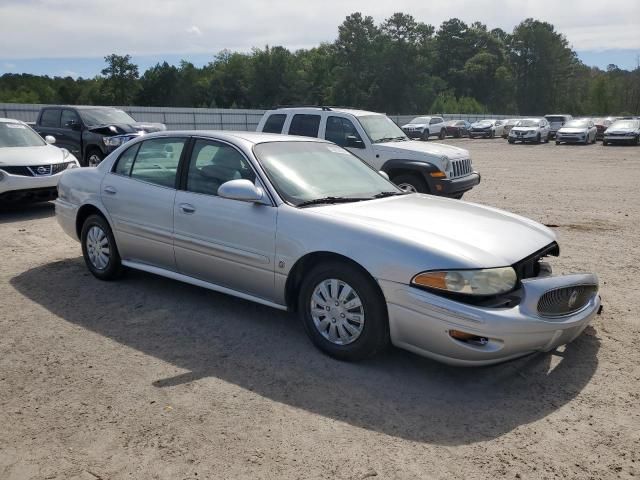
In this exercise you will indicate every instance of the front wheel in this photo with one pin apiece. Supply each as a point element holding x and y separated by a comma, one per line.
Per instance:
<point>94,157</point>
<point>604,143</point>
<point>425,135</point>
<point>99,249</point>
<point>538,139</point>
<point>511,140</point>
<point>411,183</point>
<point>343,311</point>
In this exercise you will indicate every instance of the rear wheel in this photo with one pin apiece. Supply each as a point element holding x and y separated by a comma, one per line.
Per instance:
<point>410,182</point>
<point>442,135</point>
<point>99,249</point>
<point>343,311</point>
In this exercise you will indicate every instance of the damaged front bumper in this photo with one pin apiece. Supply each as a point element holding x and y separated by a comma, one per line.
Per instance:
<point>423,322</point>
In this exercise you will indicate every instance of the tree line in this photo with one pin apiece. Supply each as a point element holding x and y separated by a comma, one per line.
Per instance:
<point>400,66</point>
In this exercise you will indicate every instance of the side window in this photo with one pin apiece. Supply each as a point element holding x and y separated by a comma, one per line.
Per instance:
<point>123,167</point>
<point>439,120</point>
<point>157,161</point>
<point>50,118</point>
<point>305,125</point>
<point>433,121</point>
<point>68,118</point>
<point>274,123</point>
<point>342,132</point>
<point>214,163</point>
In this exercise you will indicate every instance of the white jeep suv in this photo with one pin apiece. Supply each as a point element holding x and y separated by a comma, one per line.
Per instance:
<point>374,138</point>
<point>425,127</point>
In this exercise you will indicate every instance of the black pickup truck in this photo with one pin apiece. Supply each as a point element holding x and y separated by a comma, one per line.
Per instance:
<point>90,133</point>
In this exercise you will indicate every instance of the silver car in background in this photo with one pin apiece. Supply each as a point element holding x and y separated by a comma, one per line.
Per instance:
<point>622,131</point>
<point>302,224</point>
<point>530,130</point>
<point>580,130</point>
<point>556,122</point>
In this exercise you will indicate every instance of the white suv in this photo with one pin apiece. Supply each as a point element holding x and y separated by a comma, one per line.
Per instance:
<point>373,137</point>
<point>425,127</point>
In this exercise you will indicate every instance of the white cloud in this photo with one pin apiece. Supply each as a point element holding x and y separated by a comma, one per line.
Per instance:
<point>58,28</point>
<point>194,30</point>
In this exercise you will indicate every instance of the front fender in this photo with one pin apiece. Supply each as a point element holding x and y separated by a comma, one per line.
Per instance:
<point>395,166</point>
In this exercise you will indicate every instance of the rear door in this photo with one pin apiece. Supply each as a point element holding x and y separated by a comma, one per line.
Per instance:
<point>226,242</point>
<point>139,195</point>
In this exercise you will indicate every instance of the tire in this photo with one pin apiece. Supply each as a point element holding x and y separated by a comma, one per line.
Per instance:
<point>425,135</point>
<point>442,135</point>
<point>604,143</point>
<point>512,141</point>
<point>95,231</point>
<point>332,279</point>
<point>637,140</point>
<point>539,139</point>
<point>586,139</point>
<point>410,182</point>
<point>457,134</point>
<point>557,142</point>
<point>492,134</point>
<point>94,157</point>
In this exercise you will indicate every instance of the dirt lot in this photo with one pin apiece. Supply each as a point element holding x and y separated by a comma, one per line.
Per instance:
<point>148,378</point>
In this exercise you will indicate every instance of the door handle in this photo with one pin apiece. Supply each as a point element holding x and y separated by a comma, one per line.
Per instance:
<point>110,190</point>
<point>187,208</point>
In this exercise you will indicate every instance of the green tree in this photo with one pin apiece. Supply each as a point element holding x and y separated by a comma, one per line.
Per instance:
<point>121,79</point>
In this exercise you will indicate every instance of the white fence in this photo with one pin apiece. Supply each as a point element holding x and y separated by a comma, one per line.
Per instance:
<point>201,118</point>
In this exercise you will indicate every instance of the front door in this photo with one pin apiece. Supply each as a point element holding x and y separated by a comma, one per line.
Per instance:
<point>226,242</point>
<point>139,194</point>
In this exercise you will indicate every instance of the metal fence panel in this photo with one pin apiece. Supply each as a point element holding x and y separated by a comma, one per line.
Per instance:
<point>207,118</point>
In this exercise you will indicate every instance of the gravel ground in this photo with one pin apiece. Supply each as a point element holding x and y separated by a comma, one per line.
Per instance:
<point>149,378</point>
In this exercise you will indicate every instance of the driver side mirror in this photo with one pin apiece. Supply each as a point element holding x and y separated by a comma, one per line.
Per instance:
<point>242,190</point>
<point>354,142</point>
<point>384,174</point>
<point>50,139</point>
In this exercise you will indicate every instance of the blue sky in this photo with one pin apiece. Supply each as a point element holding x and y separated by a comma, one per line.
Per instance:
<point>67,37</point>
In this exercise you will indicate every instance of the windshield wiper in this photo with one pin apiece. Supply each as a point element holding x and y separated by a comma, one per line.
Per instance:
<point>329,200</point>
<point>391,139</point>
<point>388,194</point>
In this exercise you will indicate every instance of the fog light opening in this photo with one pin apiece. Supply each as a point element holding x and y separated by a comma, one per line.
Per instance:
<point>468,338</point>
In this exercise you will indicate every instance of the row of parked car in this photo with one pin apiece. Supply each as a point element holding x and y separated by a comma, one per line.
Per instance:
<point>562,128</point>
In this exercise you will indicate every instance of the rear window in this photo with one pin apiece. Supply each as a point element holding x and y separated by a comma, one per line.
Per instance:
<point>305,125</point>
<point>274,123</point>
<point>555,119</point>
<point>50,118</point>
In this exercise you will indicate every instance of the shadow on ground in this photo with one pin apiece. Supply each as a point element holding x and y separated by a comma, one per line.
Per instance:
<point>29,211</point>
<point>266,351</point>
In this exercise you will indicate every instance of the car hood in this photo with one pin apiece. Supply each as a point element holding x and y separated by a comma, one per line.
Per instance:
<point>411,149</point>
<point>621,130</point>
<point>28,156</point>
<point>481,125</point>
<point>468,235</point>
<point>125,128</point>
<point>523,129</point>
<point>572,130</point>
<point>414,125</point>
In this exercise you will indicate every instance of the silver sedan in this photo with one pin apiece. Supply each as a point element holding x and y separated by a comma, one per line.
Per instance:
<point>303,225</point>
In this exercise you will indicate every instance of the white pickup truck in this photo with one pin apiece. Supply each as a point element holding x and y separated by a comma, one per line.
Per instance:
<point>414,166</point>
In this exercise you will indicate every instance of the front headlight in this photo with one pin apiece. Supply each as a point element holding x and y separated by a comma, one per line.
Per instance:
<point>114,141</point>
<point>484,282</point>
<point>446,164</point>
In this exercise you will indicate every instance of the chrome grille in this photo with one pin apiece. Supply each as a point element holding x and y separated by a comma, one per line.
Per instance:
<point>37,170</point>
<point>461,167</point>
<point>565,300</point>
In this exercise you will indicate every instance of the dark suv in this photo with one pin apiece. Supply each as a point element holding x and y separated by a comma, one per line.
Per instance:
<point>90,133</point>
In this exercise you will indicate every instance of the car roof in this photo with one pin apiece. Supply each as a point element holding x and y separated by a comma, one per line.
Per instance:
<point>10,120</point>
<point>82,107</point>
<point>230,135</point>
<point>352,111</point>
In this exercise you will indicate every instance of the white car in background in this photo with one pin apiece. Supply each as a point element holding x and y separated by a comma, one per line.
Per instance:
<point>30,167</point>
<point>425,127</point>
<point>530,130</point>
<point>623,131</point>
<point>581,130</point>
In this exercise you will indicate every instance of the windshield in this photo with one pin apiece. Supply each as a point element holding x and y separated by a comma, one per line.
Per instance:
<point>18,135</point>
<point>528,123</point>
<point>625,124</point>
<point>105,116</point>
<point>421,120</point>
<point>307,171</point>
<point>555,119</point>
<point>380,128</point>
<point>577,124</point>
